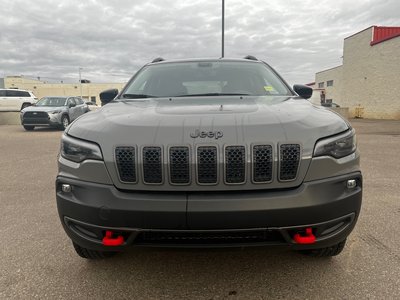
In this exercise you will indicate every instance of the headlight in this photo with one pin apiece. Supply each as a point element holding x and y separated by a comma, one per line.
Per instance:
<point>337,146</point>
<point>55,112</point>
<point>78,150</point>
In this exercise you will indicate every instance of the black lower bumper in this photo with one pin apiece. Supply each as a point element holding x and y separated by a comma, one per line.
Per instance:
<point>192,219</point>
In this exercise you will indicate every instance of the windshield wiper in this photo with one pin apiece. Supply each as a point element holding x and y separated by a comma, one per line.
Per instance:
<point>137,96</point>
<point>214,94</point>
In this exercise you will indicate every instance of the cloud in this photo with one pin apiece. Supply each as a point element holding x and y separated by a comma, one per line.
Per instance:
<point>110,40</point>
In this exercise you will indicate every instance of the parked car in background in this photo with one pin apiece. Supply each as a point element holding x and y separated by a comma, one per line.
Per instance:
<point>16,100</point>
<point>92,105</point>
<point>55,111</point>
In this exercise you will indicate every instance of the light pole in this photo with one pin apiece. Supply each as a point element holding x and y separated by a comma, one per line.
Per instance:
<point>223,29</point>
<point>80,80</point>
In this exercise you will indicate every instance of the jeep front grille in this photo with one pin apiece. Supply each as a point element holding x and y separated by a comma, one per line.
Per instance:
<point>289,159</point>
<point>262,163</point>
<point>235,164</point>
<point>152,165</point>
<point>126,164</point>
<point>206,164</point>
<point>179,160</point>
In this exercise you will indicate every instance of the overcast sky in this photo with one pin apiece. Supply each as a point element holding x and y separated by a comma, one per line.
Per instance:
<point>110,40</point>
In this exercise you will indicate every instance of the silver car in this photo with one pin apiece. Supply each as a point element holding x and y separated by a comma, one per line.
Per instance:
<point>55,111</point>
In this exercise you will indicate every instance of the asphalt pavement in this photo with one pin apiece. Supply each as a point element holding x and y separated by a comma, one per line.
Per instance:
<point>37,259</point>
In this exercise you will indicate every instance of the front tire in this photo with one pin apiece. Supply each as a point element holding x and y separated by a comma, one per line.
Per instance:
<point>64,122</point>
<point>92,254</point>
<point>28,127</point>
<point>325,252</point>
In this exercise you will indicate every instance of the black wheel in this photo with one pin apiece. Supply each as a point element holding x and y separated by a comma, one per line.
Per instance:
<point>25,105</point>
<point>64,122</point>
<point>325,252</point>
<point>92,254</point>
<point>28,127</point>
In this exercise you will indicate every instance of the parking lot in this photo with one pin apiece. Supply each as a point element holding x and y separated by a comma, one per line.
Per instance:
<point>37,259</point>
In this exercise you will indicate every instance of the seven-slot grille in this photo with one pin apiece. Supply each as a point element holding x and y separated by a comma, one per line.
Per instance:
<point>207,164</point>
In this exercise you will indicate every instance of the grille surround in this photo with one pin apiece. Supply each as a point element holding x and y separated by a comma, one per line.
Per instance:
<point>259,163</point>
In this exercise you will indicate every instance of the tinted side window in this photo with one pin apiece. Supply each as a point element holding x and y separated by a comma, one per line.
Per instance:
<point>12,93</point>
<point>71,101</point>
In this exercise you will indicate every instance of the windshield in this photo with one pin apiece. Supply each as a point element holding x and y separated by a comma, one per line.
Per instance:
<point>51,101</point>
<point>205,78</point>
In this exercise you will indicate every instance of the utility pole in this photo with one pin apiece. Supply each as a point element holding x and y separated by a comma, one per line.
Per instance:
<point>223,29</point>
<point>80,80</point>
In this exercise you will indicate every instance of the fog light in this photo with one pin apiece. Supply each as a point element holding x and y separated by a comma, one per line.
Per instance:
<point>351,183</point>
<point>66,188</point>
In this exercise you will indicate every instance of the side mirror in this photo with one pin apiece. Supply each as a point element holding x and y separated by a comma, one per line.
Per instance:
<point>108,95</point>
<point>71,105</point>
<point>303,91</point>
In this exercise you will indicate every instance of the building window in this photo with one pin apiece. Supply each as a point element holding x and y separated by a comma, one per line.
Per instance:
<point>321,85</point>
<point>93,99</point>
<point>329,83</point>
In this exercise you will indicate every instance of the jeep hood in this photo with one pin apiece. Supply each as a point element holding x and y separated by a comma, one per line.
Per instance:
<point>242,121</point>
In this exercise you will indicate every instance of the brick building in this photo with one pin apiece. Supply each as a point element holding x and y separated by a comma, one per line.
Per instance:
<point>368,81</point>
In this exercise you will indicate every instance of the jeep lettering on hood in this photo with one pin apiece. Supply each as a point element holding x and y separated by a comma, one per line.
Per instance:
<point>205,134</point>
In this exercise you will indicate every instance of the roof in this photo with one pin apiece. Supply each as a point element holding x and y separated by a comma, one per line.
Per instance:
<point>382,34</point>
<point>329,69</point>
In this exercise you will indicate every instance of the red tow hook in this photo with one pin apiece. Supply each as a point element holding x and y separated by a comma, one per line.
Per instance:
<point>308,238</point>
<point>108,239</point>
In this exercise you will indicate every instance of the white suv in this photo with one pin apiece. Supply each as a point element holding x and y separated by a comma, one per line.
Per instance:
<point>16,100</point>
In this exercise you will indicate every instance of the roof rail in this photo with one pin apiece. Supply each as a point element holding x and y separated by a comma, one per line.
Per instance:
<point>158,59</point>
<point>250,57</point>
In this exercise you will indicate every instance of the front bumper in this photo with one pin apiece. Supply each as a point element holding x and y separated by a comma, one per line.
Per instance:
<point>210,218</point>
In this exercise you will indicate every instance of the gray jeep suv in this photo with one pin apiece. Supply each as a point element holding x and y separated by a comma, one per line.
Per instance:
<point>209,153</point>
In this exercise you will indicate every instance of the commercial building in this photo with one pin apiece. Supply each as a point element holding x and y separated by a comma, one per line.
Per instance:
<point>89,91</point>
<point>368,81</point>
